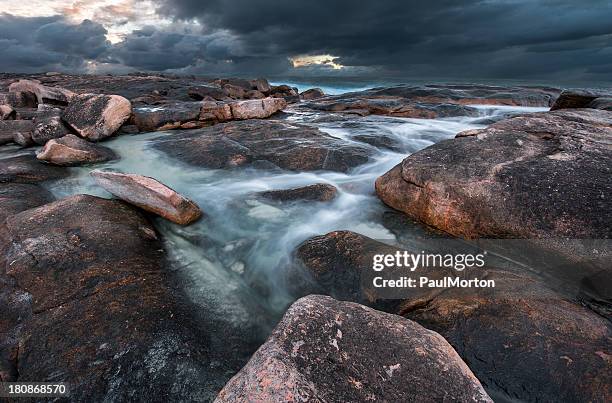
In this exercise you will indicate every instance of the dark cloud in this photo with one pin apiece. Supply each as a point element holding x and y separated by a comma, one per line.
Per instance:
<point>453,38</point>
<point>562,40</point>
<point>49,43</point>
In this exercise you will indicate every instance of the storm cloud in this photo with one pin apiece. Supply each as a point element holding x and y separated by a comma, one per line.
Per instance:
<point>49,43</point>
<point>505,39</point>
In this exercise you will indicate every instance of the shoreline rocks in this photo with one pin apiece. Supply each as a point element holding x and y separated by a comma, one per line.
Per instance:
<point>242,143</point>
<point>575,99</point>
<point>432,101</point>
<point>312,93</point>
<point>326,350</point>
<point>256,109</point>
<point>104,316</point>
<point>71,150</point>
<point>150,195</point>
<point>44,94</point>
<point>48,125</point>
<point>522,339</point>
<point>96,117</point>
<point>27,169</point>
<point>535,176</point>
<point>7,112</point>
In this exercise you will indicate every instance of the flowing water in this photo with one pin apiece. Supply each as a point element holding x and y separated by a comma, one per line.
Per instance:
<point>233,262</point>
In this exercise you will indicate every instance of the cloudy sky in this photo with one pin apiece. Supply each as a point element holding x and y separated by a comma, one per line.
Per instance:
<point>558,40</point>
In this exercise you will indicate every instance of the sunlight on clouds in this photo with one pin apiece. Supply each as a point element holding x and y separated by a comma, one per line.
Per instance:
<point>119,17</point>
<point>322,60</point>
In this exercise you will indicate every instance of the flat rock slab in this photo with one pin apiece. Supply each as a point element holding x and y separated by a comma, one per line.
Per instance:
<point>432,101</point>
<point>316,192</point>
<point>104,315</point>
<point>166,116</point>
<point>543,175</point>
<point>469,94</point>
<point>288,146</point>
<point>391,106</point>
<point>71,150</point>
<point>96,117</point>
<point>27,169</point>
<point>331,351</point>
<point>150,195</point>
<point>522,340</point>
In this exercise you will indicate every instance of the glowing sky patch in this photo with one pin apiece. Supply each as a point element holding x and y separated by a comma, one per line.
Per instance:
<point>119,17</point>
<point>314,60</point>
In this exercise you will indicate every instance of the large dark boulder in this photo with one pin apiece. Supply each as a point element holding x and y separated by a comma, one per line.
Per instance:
<point>316,192</point>
<point>331,351</point>
<point>574,99</point>
<point>16,130</point>
<point>289,146</point>
<point>27,169</point>
<point>544,175</point>
<point>604,103</point>
<point>523,340</point>
<point>104,315</point>
<point>14,198</point>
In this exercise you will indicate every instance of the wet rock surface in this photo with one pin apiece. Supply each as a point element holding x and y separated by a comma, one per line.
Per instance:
<point>326,350</point>
<point>537,176</point>
<point>95,116</point>
<point>27,169</point>
<point>71,150</point>
<point>288,146</point>
<point>336,260</point>
<point>14,198</point>
<point>150,195</point>
<point>104,317</point>
<point>316,192</point>
<point>522,339</point>
<point>578,99</point>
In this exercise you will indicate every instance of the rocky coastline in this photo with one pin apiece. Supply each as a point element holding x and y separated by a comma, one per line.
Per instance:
<point>92,299</point>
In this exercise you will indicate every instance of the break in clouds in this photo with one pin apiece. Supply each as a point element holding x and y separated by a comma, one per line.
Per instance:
<point>522,39</point>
